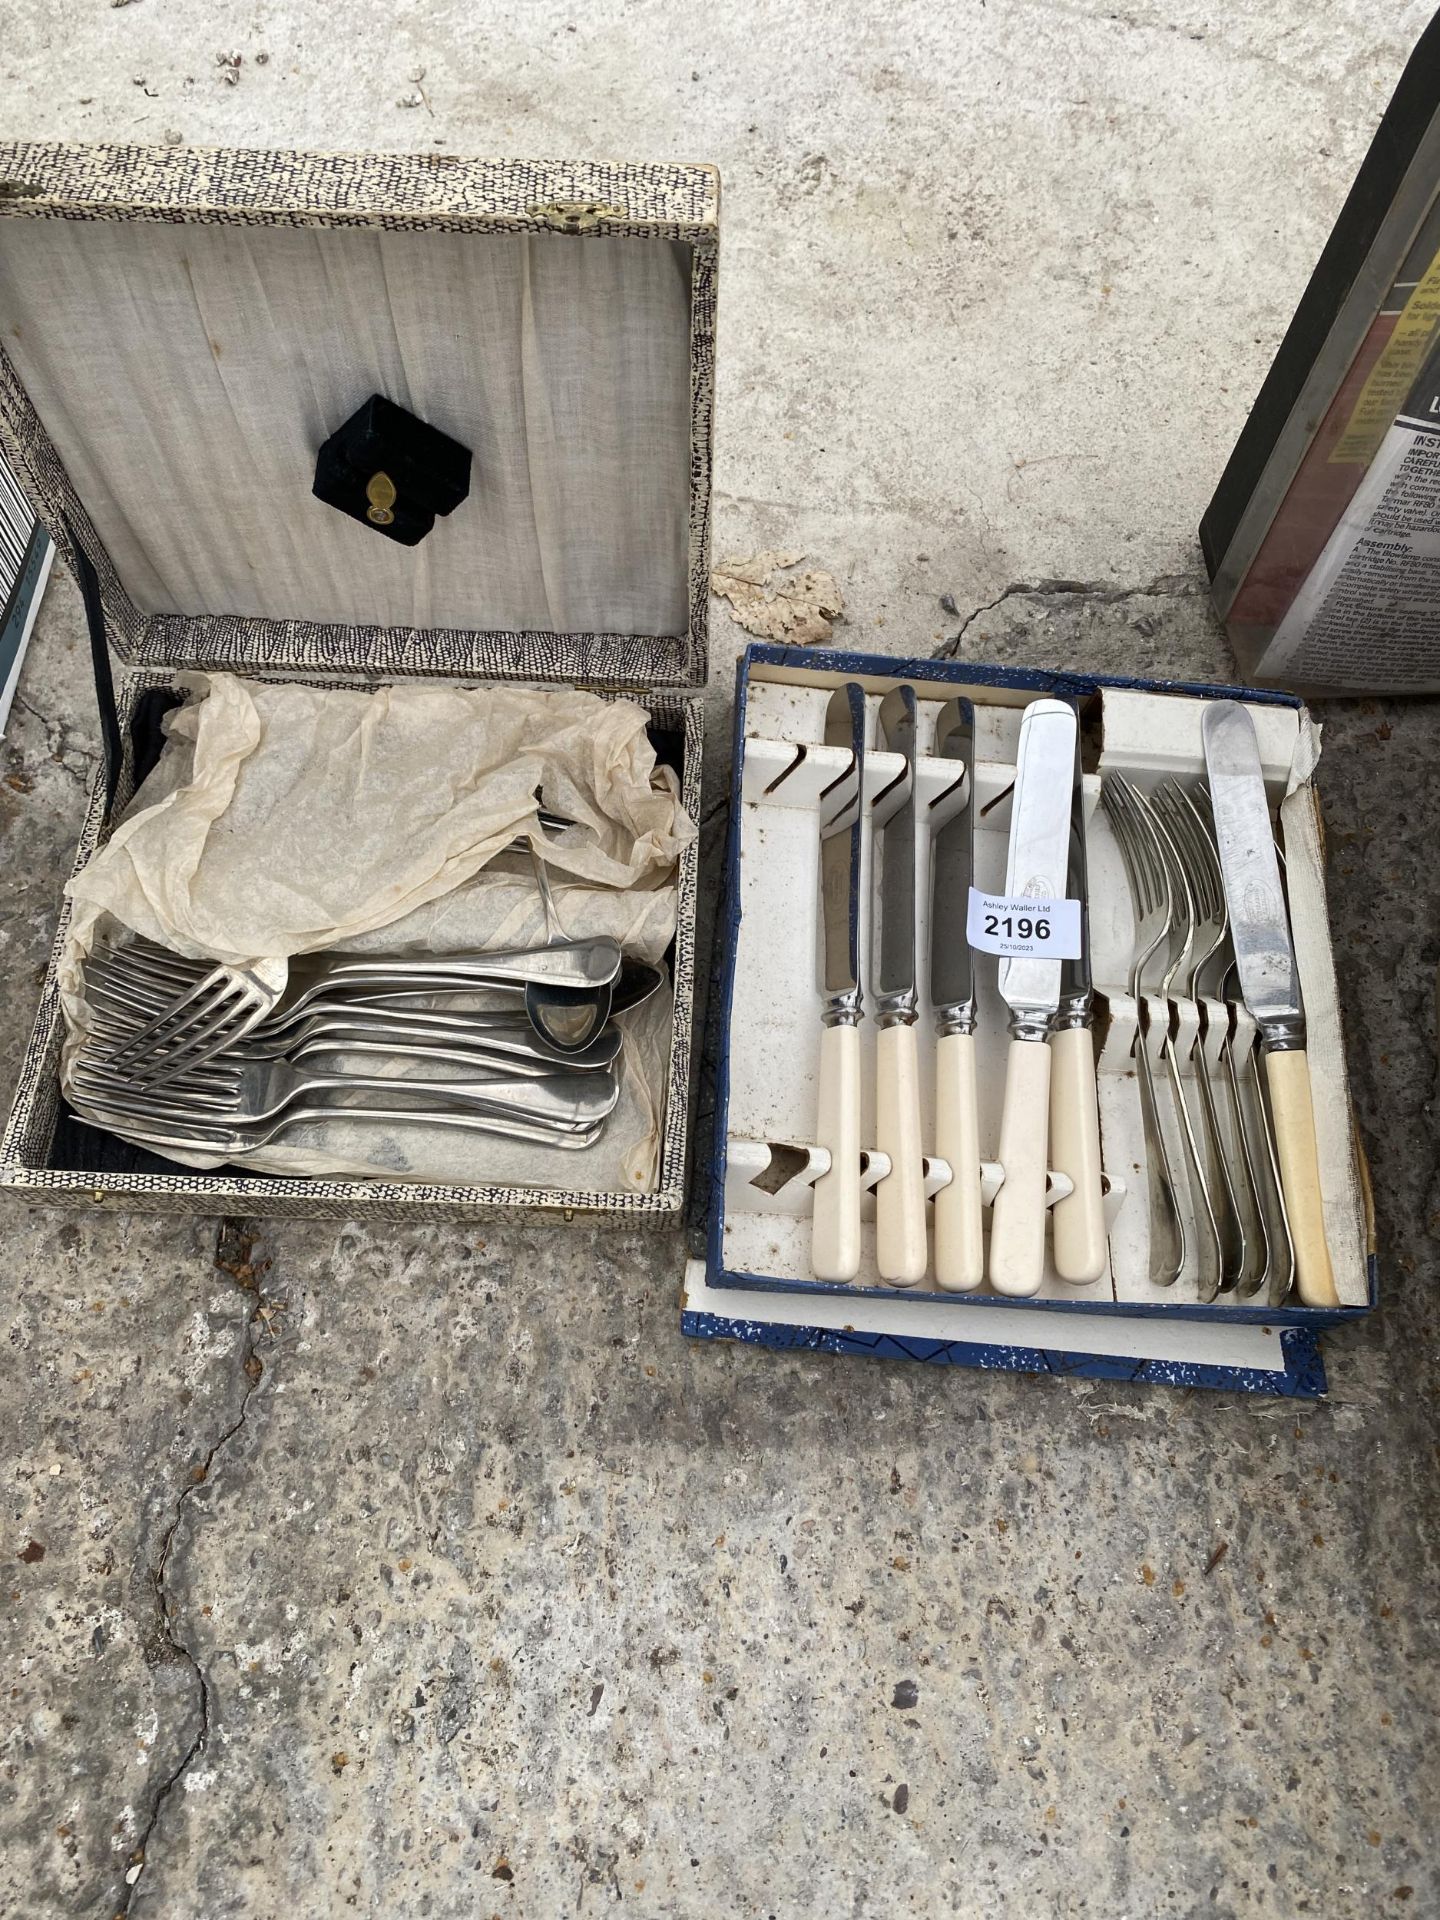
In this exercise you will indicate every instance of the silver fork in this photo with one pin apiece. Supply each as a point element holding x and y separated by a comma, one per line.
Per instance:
<point>492,1037</point>
<point>1247,1184</point>
<point>190,1012</point>
<point>1150,894</point>
<point>250,1093</point>
<point>1280,1264</point>
<point>195,1022</point>
<point>235,1139</point>
<point>1181,947</point>
<point>1207,894</point>
<point>212,1005</point>
<point>1280,1272</point>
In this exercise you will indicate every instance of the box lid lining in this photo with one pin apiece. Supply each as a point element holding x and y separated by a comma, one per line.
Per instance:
<point>579,370</point>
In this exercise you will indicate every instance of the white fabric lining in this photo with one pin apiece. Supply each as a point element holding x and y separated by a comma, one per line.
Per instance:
<point>187,376</point>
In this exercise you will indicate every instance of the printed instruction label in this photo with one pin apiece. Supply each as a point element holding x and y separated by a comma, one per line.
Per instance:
<point>1029,929</point>
<point>1368,614</point>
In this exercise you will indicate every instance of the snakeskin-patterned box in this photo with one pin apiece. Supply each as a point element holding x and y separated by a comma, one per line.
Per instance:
<point>179,332</point>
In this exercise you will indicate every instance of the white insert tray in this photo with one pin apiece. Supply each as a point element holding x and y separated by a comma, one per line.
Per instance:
<point>773,1028</point>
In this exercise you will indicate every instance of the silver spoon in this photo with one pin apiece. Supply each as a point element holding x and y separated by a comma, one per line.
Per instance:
<point>566,1018</point>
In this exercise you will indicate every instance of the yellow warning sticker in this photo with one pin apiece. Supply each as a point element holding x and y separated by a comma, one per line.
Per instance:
<point>1384,392</point>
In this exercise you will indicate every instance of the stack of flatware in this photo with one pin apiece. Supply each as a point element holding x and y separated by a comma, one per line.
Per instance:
<point>191,1057</point>
<point>1204,871</point>
<point>1046,854</point>
<point>900,1234</point>
<point>1213,964</point>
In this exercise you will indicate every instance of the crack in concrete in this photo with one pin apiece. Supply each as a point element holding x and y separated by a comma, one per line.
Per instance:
<point>1173,586</point>
<point>59,741</point>
<point>252,1369</point>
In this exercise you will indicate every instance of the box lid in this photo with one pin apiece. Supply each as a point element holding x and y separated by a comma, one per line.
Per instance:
<point>181,330</point>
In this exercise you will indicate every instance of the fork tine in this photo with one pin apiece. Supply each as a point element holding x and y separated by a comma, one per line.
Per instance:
<point>123,1003</point>
<point>1180,818</point>
<point>109,1008</point>
<point>203,1078</point>
<point>178,1015</point>
<point>211,1027</point>
<point>140,985</point>
<point>117,1097</point>
<point>1151,838</point>
<point>1149,866</point>
<point>1115,794</point>
<point>1207,857</point>
<point>97,1058</point>
<point>1142,839</point>
<point>1198,801</point>
<point>143,959</point>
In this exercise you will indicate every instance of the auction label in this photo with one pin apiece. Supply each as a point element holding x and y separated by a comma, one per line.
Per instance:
<point>1029,929</point>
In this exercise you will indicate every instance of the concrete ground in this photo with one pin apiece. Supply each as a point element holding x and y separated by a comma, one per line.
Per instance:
<point>431,1573</point>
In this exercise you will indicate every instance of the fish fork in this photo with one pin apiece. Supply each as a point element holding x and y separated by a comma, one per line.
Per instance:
<point>1150,893</point>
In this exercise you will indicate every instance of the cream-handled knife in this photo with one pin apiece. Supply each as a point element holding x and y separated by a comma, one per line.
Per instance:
<point>835,1221</point>
<point>1077,1222</point>
<point>1269,978</point>
<point>959,1240</point>
<point>900,1250</point>
<point>1030,987</point>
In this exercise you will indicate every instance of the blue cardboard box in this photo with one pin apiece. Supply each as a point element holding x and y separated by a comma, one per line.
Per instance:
<point>753,1279</point>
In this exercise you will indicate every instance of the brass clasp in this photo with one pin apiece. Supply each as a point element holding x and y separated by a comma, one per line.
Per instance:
<point>381,495</point>
<point>574,216</point>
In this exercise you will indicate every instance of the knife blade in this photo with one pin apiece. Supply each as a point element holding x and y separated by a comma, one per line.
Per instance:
<point>835,1219</point>
<point>1077,1220</point>
<point>1036,869</point>
<point>840,848</point>
<point>900,1249</point>
<point>959,1242</point>
<point>1269,978</point>
<point>952,867</point>
<point>893,962</point>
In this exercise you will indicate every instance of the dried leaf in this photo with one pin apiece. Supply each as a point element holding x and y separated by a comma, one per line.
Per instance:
<point>755,571</point>
<point>770,597</point>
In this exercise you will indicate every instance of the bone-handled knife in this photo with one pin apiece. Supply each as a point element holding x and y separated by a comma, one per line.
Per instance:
<point>1030,987</point>
<point>900,1250</point>
<point>835,1222</point>
<point>1269,979</point>
<point>1078,1221</point>
<point>959,1241</point>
